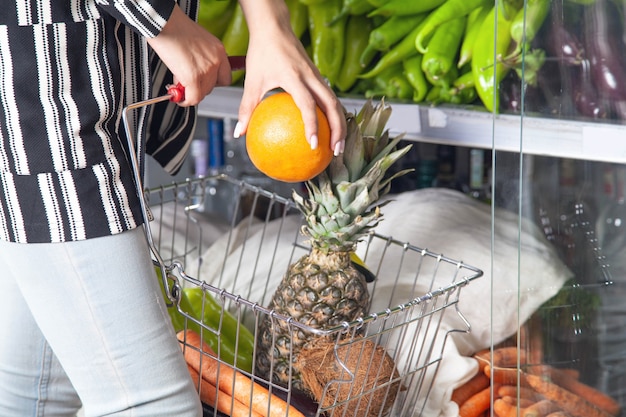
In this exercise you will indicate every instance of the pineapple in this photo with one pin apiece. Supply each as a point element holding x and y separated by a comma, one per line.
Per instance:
<point>323,289</point>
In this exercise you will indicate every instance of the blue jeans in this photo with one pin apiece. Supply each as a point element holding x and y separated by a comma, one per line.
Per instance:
<point>84,323</point>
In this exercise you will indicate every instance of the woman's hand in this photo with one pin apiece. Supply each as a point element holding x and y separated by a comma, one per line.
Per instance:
<point>277,59</point>
<point>195,57</point>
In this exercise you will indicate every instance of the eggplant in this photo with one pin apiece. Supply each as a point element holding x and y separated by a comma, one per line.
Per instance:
<point>298,399</point>
<point>587,100</point>
<point>606,69</point>
<point>301,401</point>
<point>564,45</point>
<point>511,94</point>
<point>555,82</point>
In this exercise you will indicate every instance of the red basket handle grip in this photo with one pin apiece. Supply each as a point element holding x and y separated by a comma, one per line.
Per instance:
<point>177,92</point>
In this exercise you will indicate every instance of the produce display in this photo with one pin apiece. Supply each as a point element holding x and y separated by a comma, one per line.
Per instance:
<point>323,289</point>
<point>569,54</point>
<point>509,383</point>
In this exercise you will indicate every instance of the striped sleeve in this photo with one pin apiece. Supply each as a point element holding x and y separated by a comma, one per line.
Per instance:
<point>146,17</point>
<point>170,127</point>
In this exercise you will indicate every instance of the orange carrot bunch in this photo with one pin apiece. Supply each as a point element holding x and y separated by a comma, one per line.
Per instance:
<point>227,389</point>
<point>507,387</point>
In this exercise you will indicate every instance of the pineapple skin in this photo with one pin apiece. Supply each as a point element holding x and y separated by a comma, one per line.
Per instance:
<point>324,290</point>
<point>320,290</point>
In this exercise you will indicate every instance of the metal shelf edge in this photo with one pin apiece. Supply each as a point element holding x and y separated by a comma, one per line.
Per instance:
<point>474,128</point>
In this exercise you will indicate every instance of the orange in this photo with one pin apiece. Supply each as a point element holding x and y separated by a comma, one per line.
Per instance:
<point>276,143</point>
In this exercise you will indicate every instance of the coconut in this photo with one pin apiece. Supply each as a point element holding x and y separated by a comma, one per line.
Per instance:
<point>349,379</point>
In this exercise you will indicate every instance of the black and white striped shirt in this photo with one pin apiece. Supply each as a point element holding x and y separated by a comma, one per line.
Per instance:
<point>67,68</point>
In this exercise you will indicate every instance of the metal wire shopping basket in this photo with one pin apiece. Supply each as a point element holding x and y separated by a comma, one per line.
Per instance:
<point>239,257</point>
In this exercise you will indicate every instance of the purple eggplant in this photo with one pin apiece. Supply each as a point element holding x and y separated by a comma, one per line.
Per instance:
<point>586,98</point>
<point>511,94</point>
<point>606,69</point>
<point>564,45</point>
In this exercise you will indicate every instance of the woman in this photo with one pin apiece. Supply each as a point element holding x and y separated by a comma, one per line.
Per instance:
<point>82,322</point>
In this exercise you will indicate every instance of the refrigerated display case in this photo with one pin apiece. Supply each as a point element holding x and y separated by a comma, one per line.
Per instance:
<point>554,157</point>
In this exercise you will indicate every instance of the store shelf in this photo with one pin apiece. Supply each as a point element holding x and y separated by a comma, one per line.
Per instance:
<point>474,128</point>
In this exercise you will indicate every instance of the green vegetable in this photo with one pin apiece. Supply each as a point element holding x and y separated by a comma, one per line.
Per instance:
<point>357,30</point>
<point>527,23</point>
<point>367,55</point>
<point>352,7</point>
<point>441,94</point>
<point>464,81</point>
<point>528,64</point>
<point>214,15</point>
<point>327,42</point>
<point>573,307</point>
<point>236,38</point>
<point>442,49</point>
<point>312,2</point>
<point>401,51</point>
<point>391,83</point>
<point>451,9</point>
<point>236,342</point>
<point>474,21</point>
<point>377,3</point>
<point>509,8</point>
<point>463,90</point>
<point>393,30</point>
<point>405,7</point>
<point>298,17</point>
<point>433,95</point>
<point>487,66</point>
<point>447,80</point>
<point>197,310</point>
<point>415,76</point>
<point>390,32</point>
<point>178,320</point>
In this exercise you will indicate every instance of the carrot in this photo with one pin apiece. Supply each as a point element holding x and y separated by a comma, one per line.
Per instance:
<point>476,404</point>
<point>484,358</point>
<point>521,392</point>
<point>522,402</point>
<point>539,409</point>
<point>503,409</point>
<point>564,399</point>
<point>258,398</point>
<point>223,402</point>
<point>507,357</point>
<point>595,397</point>
<point>477,383</point>
<point>504,376</point>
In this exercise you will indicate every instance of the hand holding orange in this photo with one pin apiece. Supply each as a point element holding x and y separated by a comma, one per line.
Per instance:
<point>276,143</point>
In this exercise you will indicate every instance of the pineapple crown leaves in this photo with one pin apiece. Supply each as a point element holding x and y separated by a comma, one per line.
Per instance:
<point>341,205</point>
